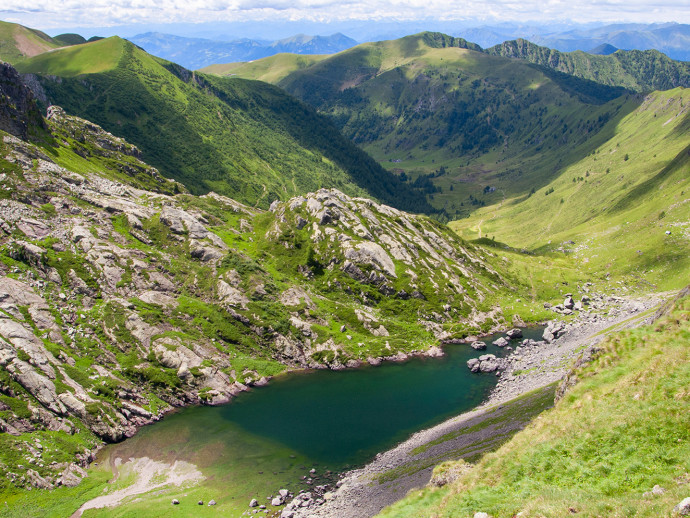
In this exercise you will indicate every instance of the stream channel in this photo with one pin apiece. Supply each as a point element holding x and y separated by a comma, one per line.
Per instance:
<point>272,436</point>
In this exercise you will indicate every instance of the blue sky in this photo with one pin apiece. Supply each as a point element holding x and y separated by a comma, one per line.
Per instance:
<point>46,14</point>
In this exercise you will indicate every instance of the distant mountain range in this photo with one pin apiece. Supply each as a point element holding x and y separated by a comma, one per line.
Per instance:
<point>670,38</point>
<point>197,53</point>
<point>673,39</point>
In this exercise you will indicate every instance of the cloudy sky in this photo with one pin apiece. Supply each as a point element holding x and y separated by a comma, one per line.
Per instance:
<point>46,14</point>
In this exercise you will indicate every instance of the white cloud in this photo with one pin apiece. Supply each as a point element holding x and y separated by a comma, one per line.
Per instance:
<point>47,13</point>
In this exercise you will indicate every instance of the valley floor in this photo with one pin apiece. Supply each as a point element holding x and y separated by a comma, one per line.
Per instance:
<point>520,396</point>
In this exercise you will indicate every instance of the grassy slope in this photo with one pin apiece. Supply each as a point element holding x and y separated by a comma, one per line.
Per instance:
<point>18,42</point>
<point>622,429</point>
<point>634,69</point>
<point>78,59</point>
<point>616,203</point>
<point>244,139</point>
<point>271,69</point>
<point>418,104</point>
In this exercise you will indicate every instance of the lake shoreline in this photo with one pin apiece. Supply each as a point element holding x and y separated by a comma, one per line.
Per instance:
<point>365,491</point>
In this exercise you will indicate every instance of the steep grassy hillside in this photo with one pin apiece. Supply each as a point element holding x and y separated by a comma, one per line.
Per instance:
<point>271,69</point>
<point>467,127</point>
<point>18,42</point>
<point>640,70</point>
<point>611,211</point>
<point>245,139</point>
<point>619,432</point>
<point>78,60</point>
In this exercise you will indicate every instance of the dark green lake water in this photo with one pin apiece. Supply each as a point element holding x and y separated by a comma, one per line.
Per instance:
<point>269,437</point>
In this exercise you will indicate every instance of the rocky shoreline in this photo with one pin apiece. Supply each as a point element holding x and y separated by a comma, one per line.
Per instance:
<point>363,492</point>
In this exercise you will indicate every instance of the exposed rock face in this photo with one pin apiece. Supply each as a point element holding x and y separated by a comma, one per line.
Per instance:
<point>18,111</point>
<point>365,240</point>
<point>553,331</point>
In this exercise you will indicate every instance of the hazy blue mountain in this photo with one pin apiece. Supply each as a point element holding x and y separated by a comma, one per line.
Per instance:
<point>673,39</point>
<point>305,44</point>
<point>197,53</point>
<point>603,50</point>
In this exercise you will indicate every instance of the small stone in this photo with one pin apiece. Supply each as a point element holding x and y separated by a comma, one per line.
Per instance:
<point>284,493</point>
<point>478,345</point>
<point>683,508</point>
<point>212,502</point>
<point>253,503</point>
<point>658,490</point>
<point>514,333</point>
<point>277,501</point>
<point>501,342</point>
<point>201,502</point>
<point>175,501</point>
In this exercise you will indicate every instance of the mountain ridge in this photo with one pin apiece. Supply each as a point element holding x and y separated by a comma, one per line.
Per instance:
<point>241,127</point>
<point>434,107</point>
<point>633,69</point>
<point>18,42</point>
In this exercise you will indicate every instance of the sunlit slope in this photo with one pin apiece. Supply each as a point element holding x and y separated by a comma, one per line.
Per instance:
<point>271,69</point>
<point>18,42</point>
<point>86,58</point>
<point>615,204</point>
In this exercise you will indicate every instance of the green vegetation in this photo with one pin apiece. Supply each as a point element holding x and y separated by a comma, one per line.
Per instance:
<point>70,39</point>
<point>77,60</point>
<point>271,69</point>
<point>161,297</point>
<point>621,430</point>
<point>639,70</point>
<point>464,127</point>
<point>18,42</point>
<point>244,139</point>
<point>600,224</point>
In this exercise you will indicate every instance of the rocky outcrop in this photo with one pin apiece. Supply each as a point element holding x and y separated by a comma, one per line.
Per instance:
<point>485,363</point>
<point>19,114</point>
<point>377,245</point>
